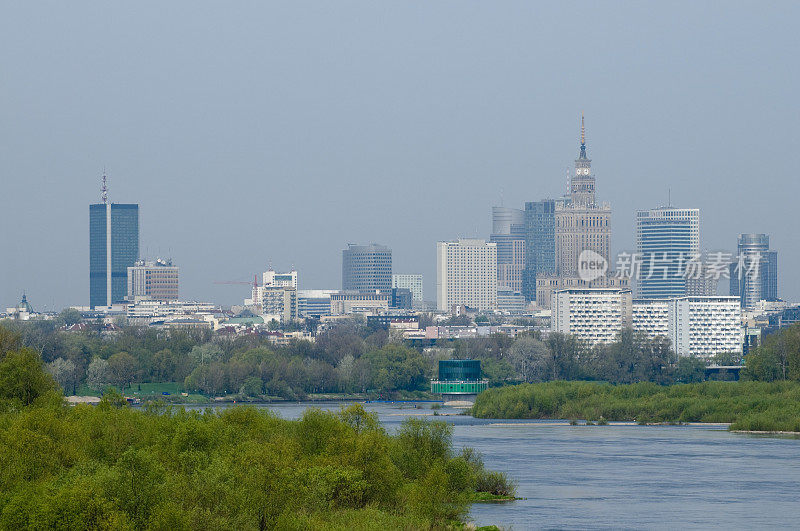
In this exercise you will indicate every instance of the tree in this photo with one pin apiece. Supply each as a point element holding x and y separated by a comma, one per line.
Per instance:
<point>690,369</point>
<point>63,372</point>
<point>206,353</point>
<point>531,359</point>
<point>123,369</point>
<point>9,340</point>
<point>22,377</point>
<point>98,375</point>
<point>70,316</point>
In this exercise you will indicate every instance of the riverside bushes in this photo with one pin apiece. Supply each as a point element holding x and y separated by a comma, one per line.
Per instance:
<point>238,468</point>
<point>758,406</point>
<point>113,467</point>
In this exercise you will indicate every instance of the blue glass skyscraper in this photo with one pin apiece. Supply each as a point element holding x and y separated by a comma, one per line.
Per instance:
<point>113,247</point>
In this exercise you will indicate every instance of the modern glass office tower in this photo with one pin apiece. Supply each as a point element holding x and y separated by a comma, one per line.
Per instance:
<point>540,243</point>
<point>754,273</point>
<point>666,238</point>
<point>366,267</point>
<point>508,232</point>
<point>113,248</point>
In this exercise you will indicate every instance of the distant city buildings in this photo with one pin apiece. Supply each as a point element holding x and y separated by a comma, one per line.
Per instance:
<point>510,301</point>
<point>157,280</point>
<point>667,239</point>
<point>466,274</point>
<point>508,233</point>
<point>546,285</point>
<point>592,315</point>
<point>347,302</point>
<point>314,303</point>
<point>113,248</point>
<point>410,282</point>
<point>22,311</point>
<point>540,243</point>
<point>754,275</point>
<point>581,224</point>
<point>366,267</point>
<point>276,298</point>
<point>695,326</point>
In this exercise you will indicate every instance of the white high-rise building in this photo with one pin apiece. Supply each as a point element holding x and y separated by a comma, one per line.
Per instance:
<point>592,315</point>
<point>409,282</point>
<point>466,274</point>
<point>695,326</point>
<point>651,316</point>
<point>270,281</point>
<point>705,326</point>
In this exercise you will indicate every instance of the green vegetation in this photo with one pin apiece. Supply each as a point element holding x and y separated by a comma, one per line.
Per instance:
<point>113,467</point>
<point>757,406</point>
<point>777,359</point>
<point>350,358</point>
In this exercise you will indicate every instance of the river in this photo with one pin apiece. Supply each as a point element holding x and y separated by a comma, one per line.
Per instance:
<point>622,476</point>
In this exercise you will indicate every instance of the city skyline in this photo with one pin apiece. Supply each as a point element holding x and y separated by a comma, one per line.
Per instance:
<point>373,164</point>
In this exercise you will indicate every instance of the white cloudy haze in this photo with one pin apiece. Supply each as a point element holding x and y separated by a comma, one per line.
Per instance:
<point>256,131</point>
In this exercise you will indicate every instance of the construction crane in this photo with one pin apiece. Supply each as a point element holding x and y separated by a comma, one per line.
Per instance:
<point>238,282</point>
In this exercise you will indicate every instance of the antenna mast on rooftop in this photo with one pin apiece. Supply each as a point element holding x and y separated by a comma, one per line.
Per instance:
<point>104,188</point>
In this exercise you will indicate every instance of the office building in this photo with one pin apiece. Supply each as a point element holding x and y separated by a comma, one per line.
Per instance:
<point>401,298</point>
<point>510,301</point>
<point>667,239</point>
<point>410,282</point>
<point>754,273</point>
<point>113,248</point>
<point>466,274</point>
<point>270,279</point>
<point>540,243</point>
<point>591,315</point>
<point>314,303</point>
<point>582,224</point>
<point>156,280</point>
<point>701,285</point>
<point>366,267</point>
<point>508,232</point>
<point>347,302</point>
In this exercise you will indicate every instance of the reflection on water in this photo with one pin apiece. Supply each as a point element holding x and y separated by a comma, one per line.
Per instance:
<point>623,476</point>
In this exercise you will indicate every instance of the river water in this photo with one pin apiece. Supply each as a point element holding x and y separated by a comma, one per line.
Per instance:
<point>622,476</point>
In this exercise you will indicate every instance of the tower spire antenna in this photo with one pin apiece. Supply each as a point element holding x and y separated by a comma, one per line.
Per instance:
<point>104,188</point>
<point>583,131</point>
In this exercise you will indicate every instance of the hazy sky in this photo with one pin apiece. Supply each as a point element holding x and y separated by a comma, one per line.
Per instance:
<point>257,131</point>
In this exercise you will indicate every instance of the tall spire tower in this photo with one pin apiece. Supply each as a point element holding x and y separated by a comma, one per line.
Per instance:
<point>582,182</point>
<point>104,189</point>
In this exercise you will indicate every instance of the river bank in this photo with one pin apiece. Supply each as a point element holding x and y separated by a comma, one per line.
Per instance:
<point>745,406</point>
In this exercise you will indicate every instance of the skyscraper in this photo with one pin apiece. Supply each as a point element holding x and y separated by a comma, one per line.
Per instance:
<point>366,267</point>
<point>466,274</point>
<point>754,275</point>
<point>540,243</point>
<point>667,239</point>
<point>508,232</point>
<point>582,224</point>
<point>113,248</point>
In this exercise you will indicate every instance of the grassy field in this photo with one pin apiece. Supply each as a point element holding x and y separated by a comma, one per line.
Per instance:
<point>750,406</point>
